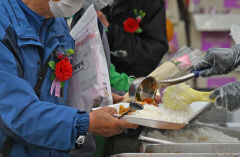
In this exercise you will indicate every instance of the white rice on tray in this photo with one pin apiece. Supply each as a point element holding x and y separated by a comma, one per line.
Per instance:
<point>193,135</point>
<point>162,113</point>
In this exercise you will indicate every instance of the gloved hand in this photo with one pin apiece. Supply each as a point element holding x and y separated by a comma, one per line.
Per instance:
<point>218,61</point>
<point>227,96</point>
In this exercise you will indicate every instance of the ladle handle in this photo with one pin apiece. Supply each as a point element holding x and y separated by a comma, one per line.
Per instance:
<point>193,74</point>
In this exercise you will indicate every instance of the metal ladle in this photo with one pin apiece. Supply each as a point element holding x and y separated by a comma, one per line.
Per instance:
<point>146,87</point>
<point>143,88</point>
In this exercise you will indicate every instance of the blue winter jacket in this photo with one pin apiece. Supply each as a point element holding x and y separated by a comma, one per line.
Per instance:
<point>45,126</point>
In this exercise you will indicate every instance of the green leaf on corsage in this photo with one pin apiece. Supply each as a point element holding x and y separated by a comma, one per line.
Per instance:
<point>62,84</point>
<point>139,30</point>
<point>52,65</point>
<point>53,77</point>
<point>143,14</point>
<point>135,12</point>
<point>70,52</point>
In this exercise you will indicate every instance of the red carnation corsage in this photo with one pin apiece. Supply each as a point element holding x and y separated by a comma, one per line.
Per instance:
<point>63,70</point>
<point>131,25</point>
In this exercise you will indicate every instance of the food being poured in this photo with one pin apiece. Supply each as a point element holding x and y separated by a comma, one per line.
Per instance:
<point>133,106</point>
<point>123,109</point>
<point>149,101</point>
<point>181,95</point>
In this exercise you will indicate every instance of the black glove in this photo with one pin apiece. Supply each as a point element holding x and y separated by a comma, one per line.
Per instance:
<point>218,61</point>
<point>227,96</point>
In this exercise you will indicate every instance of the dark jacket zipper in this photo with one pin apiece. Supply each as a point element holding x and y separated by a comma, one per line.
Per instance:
<point>40,39</point>
<point>40,80</point>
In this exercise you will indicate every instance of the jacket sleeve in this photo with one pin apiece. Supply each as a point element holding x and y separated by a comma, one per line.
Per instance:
<point>30,121</point>
<point>146,47</point>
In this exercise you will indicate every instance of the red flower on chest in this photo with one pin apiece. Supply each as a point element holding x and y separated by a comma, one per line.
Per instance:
<point>130,25</point>
<point>63,70</point>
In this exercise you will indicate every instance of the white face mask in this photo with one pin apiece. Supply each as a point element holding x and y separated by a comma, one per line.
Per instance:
<point>65,8</point>
<point>98,4</point>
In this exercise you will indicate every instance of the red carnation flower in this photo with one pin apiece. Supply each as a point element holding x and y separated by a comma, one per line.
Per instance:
<point>63,70</point>
<point>130,25</point>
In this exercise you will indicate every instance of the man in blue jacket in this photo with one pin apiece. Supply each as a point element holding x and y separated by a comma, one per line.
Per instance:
<point>34,123</point>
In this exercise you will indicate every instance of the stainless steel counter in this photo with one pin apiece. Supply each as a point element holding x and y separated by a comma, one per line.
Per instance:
<point>191,148</point>
<point>154,145</point>
<point>177,155</point>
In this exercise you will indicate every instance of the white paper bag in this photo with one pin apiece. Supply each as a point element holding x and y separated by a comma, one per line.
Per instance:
<point>90,84</point>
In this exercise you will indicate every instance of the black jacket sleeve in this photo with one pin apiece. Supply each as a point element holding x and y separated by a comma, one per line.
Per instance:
<point>145,49</point>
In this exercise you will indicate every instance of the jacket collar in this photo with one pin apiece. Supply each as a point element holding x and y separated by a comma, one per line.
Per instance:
<point>21,24</point>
